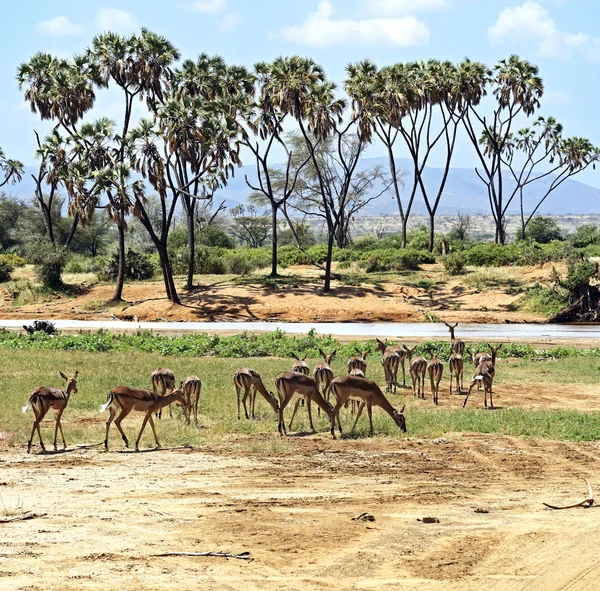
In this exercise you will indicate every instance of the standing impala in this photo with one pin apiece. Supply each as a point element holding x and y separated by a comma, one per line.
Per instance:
<point>191,388</point>
<point>399,350</point>
<point>366,393</point>
<point>323,375</point>
<point>291,384</point>
<point>390,361</point>
<point>417,367</point>
<point>456,367</point>
<point>484,374</point>
<point>164,380</point>
<point>358,361</point>
<point>435,369</point>
<point>300,365</point>
<point>43,399</point>
<point>456,345</point>
<point>127,399</point>
<point>250,382</point>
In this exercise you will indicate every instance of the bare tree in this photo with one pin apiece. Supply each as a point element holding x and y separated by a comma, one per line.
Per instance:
<point>462,225</point>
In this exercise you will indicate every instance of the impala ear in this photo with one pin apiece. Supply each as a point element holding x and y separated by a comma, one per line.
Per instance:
<point>75,375</point>
<point>181,384</point>
<point>304,358</point>
<point>402,409</point>
<point>321,353</point>
<point>295,357</point>
<point>364,355</point>
<point>333,354</point>
<point>63,376</point>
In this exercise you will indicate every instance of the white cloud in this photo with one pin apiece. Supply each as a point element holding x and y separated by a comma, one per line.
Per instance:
<point>208,6</point>
<point>231,22</point>
<point>402,7</point>
<point>321,30</point>
<point>531,23</point>
<point>115,19</point>
<point>59,26</point>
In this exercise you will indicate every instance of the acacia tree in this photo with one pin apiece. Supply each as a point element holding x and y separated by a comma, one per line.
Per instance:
<point>517,90</point>
<point>542,153</point>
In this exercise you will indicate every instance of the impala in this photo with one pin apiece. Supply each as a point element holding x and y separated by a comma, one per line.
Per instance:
<point>164,380</point>
<point>456,345</point>
<point>399,350</point>
<point>127,399</point>
<point>291,384</point>
<point>43,399</point>
<point>366,393</point>
<point>456,367</point>
<point>417,366</point>
<point>358,361</point>
<point>300,365</point>
<point>484,374</point>
<point>435,368</point>
<point>323,374</point>
<point>191,388</point>
<point>249,381</point>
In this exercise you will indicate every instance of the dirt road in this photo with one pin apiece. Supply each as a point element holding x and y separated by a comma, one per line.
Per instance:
<point>291,505</point>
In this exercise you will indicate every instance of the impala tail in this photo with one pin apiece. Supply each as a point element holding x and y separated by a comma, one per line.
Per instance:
<point>108,402</point>
<point>26,407</point>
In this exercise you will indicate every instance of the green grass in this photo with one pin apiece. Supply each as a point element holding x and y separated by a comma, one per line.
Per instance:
<point>541,299</point>
<point>22,371</point>
<point>491,278</point>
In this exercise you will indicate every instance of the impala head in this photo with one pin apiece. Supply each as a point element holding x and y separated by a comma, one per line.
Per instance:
<point>494,351</point>
<point>399,418</point>
<point>381,345</point>
<point>327,358</point>
<point>179,397</point>
<point>363,354</point>
<point>274,402</point>
<point>299,358</point>
<point>71,382</point>
<point>410,352</point>
<point>451,328</point>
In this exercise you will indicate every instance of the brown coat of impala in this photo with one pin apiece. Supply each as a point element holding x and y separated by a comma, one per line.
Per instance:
<point>43,399</point>
<point>163,381</point>
<point>127,399</point>
<point>417,366</point>
<point>191,388</point>
<point>366,393</point>
<point>249,381</point>
<point>484,374</point>
<point>435,368</point>
<point>390,360</point>
<point>323,373</point>
<point>292,384</point>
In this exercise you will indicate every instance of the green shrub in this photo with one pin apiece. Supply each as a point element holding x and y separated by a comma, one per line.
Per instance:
<point>214,236</point>
<point>238,265</point>
<point>395,260</point>
<point>291,255</point>
<point>585,236</point>
<point>49,263</point>
<point>541,230</point>
<point>540,299</point>
<point>79,263</point>
<point>12,259</point>
<point>455,263</point>
<point>210,261</point>
<point>318,253</point>
<point>5,270</point>
<point>492,255</point>
<point>138,266</point>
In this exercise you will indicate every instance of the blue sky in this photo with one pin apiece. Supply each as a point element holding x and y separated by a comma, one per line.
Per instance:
<point>558,35</point>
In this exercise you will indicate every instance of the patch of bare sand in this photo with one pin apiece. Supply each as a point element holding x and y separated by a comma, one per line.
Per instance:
<point>108,513</point>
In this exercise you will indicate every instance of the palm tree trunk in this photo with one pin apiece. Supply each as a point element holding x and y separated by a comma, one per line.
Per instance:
<point>191,242</point>
<point>72,232</point>
<point>274,240</point>
<point>118,294</point>
<point>167,272</point>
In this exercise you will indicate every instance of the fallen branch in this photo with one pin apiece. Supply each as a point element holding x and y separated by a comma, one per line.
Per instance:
<point>23,517</point>
<point>587,502</point>
<point>241,556</point>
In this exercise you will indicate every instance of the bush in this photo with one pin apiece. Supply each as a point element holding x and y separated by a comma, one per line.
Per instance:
<point>492,255</point>
<point>455,263</point>
<point>79,263</point>
<point>541,230</point>
<point>12,259</point>
<point>214,236</point>
<point>49,264</point>
<point>210,261</point>
<point>585,236</point>
<point>291,255</point>
<point>395,260</point>
<point>238,265</point>
<point>540,299</point>
<point>138,266</point>
<point>5,270</point>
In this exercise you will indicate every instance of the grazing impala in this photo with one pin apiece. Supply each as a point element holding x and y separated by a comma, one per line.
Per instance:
<point>191,388</point>
<point>164,380</point>
<point>249,381</point>
<point>435,368</point>
<point>456,367</point>
<point>484,374</point>
<point>128,399</point>
<point>300,365</point>
<point>399,350</point>
<point>417,367</point>
<point>366,393</point>
<point>291,384</point>
<point>43,399</point>
<point>456,345</point>
<point>390,361</point>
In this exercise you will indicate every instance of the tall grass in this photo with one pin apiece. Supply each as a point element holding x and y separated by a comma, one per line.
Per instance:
<point>22,371</point>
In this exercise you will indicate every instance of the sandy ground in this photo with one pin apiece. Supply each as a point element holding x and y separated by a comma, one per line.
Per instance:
<point>108,514</point>
<point>388,302</point>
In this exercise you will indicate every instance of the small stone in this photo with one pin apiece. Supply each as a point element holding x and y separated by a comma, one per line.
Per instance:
<point>442,440</point>
<point>429,520</point>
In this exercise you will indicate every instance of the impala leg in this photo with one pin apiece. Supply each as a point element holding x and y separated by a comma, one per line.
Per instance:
<point>283,402</point>
<point>361,406</point>
<point>124,413</point>
<point>153,430</point>
<point>294,413</point>
<point>39,418</point>
<point>403,374</point>
<point>196,406</point>
<point>491,399</point>
<point>370,413</point>
<point>244,398</point>
<point>58,426</point>
<point>237,391</point>
<point>469,392</point>
<point>35,426</point>
<point>310,421</point>
<point>336,413</point>
<point>137,442</point>
<point>108,422</point>
<point>253,401</point>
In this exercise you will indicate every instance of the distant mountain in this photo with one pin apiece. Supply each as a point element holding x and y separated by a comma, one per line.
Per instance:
<point>464,192</point>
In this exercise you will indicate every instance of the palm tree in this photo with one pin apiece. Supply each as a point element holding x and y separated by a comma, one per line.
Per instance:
<point>12,170</point>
